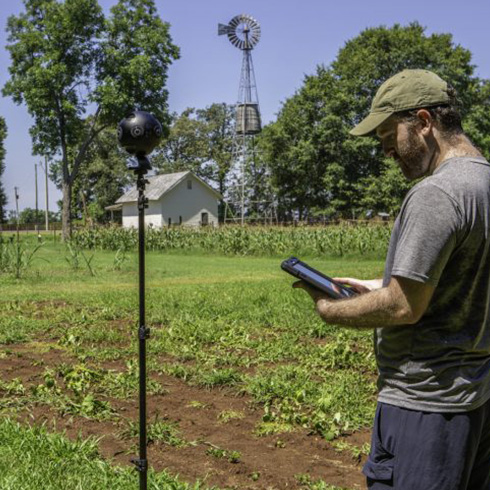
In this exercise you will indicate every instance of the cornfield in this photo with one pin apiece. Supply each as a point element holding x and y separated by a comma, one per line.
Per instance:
<point>335,241</point>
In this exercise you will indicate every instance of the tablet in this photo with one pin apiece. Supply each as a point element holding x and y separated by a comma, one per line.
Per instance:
<point>314,278</point>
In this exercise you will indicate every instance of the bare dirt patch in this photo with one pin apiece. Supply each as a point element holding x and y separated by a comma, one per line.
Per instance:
<point>270,463</point>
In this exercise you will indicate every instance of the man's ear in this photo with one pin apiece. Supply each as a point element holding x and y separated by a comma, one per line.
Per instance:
<point>425,120</point>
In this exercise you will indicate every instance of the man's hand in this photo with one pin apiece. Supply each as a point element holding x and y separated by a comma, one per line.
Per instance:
<point>316,294</point>
<point>360,286</point>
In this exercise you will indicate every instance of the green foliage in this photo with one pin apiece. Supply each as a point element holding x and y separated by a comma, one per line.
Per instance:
<point>67,59</point>
<point>308,483</point>
<point>161,431</point>
<point>29,215</point>
<point>52,461</point>
<point>119,259</point>
<point>79,380</point>
<point>74,254</point>
<point>355,451</point>
<point>215,321</point>
<point>231,456</point>
<point>332,241</point>
<point>228,415</point>
<point>291,396</point>
<point>101,180</point>
<point>201,141</point>
<point>314,161</point>
<point>16,256</point>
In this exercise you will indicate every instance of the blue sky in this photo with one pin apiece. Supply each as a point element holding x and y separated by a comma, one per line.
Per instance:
<point>296,37</point>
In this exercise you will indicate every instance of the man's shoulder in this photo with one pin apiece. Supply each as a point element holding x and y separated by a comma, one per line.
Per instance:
<point>430,188</point>
<point>459,178</point>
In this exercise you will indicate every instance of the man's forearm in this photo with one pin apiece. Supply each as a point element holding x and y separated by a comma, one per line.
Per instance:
<point>378,308</point>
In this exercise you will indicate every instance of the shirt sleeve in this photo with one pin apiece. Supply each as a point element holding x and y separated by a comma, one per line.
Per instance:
<point>430,223</point>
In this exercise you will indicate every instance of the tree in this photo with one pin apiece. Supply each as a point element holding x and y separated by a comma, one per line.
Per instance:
<point>29,216</point>
<point>314,161</point>
<point>67,60</point>
<point>102,179</point>
<point>184,148</point>
<point>3,196</point>
<point>201,141</point>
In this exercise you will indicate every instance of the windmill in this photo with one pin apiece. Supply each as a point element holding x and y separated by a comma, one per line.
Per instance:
<point>243,32</point>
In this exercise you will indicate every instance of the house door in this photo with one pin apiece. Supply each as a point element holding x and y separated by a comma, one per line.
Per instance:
<point>204,219</point>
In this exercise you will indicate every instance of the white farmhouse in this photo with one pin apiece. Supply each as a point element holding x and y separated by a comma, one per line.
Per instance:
<point>179,198</point>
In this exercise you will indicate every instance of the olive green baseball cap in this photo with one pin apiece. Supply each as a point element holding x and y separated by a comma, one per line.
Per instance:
<point>409,89</point>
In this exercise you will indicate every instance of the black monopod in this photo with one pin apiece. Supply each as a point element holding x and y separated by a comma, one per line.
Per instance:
<point>138,134</point>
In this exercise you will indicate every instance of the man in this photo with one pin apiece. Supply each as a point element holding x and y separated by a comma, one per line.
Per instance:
<point>431,311</point>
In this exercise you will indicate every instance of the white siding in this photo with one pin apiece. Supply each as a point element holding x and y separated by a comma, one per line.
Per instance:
<point>152,215</point>
<point>190,204</point>
<point>178,202</point>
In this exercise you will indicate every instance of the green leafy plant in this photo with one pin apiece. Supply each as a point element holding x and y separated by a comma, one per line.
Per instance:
<point>16,257</point>
<point>227,415</point>
<point>120,258</point>
<point>231,456</point>
<point>163,431</point>
<point>73,258</point>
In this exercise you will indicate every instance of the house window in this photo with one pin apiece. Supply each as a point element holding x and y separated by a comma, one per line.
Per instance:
<point>204,219</point>
<point>189,184</point>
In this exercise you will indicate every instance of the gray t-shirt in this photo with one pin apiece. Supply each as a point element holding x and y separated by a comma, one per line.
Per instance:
<point>442,237</point>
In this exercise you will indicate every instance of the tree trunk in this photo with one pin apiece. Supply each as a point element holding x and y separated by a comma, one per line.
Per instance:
<point>66,212</point>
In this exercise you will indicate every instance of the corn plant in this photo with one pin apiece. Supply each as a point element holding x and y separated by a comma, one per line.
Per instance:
<point>16,257</point>
<point>73,257</point>
<point>333,241</point>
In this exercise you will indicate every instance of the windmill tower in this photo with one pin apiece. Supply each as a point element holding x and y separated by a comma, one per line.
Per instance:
<point>243,31</point>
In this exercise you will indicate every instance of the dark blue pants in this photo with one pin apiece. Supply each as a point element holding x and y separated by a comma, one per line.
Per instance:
<point>412,450</point>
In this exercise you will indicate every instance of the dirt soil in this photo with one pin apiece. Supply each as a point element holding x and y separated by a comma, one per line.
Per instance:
<point>265,463</point>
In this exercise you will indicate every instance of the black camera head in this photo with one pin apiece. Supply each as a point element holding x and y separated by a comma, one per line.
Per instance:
<point>138,133</point>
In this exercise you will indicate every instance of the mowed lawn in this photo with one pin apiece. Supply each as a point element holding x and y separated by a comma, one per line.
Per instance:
<point>219,325</point>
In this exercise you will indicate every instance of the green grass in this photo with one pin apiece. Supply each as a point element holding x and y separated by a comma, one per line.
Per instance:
<point>31,457</point>
<point>215,322</point>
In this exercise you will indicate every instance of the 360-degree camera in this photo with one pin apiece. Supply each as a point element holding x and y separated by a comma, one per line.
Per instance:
<point>139,133</point>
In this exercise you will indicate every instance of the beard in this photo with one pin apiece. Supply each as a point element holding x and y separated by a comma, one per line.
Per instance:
<point>412,156</point>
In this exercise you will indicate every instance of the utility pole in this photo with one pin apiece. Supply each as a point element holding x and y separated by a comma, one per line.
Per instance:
<point>16,190</point>
<point>46,171</point>
<point>36,227</point>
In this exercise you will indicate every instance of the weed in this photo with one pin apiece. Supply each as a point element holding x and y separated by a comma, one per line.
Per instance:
<point>228,415</point>
<point>231,456</point>
<point>307,482</point>
<point>73,258</point>
<point>197,404</point>
<point>355,451</point>
<point>254,476</point>
<point>14,387</point>
<point>16,257</point>
<point>119,259</point>
<point>269,428</point>
<point>163,431</point>
<point>79,380</point>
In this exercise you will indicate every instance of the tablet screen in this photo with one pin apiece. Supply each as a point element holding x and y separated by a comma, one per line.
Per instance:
<point>320,279</point>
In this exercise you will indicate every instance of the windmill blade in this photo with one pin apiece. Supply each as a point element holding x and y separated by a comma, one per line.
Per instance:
<point>235,21</point>
<point>235,40</point>
<point>223,29</point>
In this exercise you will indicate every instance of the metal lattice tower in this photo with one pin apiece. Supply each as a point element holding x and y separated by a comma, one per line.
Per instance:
<point>243,31</point>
